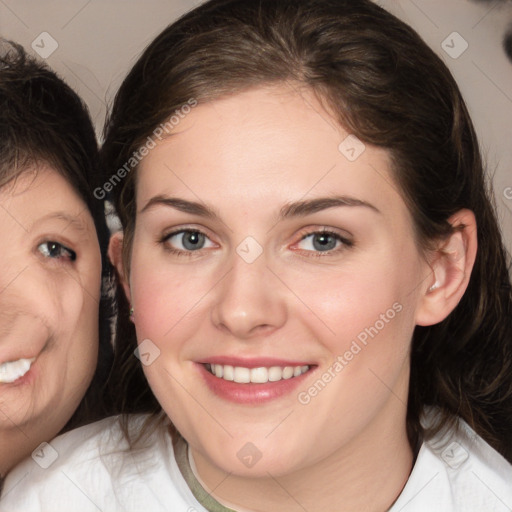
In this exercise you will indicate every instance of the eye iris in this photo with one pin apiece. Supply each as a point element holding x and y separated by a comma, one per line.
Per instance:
<point>54,249</point>
<point>193,240</point>
<point>324,242</point>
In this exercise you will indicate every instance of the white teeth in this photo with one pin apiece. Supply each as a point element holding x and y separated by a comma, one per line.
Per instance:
<point>13,370</point>
<point>260,375</point>
<point>229,372</point>
<point>287,372</point>
<point>242,375</point>
<point>275,373</point>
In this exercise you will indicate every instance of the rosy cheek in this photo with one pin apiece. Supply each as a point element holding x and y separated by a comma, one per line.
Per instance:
<point>360,315</point>
<point>349,298</point>
<point>161,302</point>
<point>152,310</point>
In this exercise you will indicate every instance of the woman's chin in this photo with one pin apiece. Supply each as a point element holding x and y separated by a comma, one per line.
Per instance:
<point>248,459</point>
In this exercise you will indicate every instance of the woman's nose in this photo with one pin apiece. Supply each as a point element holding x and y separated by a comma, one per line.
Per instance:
<point>250,301</point>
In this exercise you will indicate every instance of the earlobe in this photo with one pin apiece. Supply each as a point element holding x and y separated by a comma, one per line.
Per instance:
<point>115,254</point>
<point>451,265</point>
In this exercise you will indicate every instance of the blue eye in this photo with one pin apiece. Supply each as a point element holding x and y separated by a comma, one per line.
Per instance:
<point>54,250</point>
<point>188,240</point>
<point>322,241</point>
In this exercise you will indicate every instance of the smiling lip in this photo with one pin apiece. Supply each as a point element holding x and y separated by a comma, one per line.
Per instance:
<point>26,378</point>
<point>31,351</point>
<point>13,370</point>
<point>253,381</point>
<point>16,357</point>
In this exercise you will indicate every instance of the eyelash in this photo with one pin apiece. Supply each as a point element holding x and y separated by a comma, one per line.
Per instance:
<point>70,257</point>
<point>345,243</point>
<point>179,252</point>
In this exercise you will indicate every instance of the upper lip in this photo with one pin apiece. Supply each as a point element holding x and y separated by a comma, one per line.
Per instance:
<point>32,352</point>
<point>256,362</point>
<point>12,358</point>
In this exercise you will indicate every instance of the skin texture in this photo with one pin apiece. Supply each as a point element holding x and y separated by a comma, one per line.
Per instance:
<point>49,307</point>
<point>246,158</point>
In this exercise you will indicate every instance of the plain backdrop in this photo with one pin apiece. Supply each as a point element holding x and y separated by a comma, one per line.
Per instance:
<point>95,42</point>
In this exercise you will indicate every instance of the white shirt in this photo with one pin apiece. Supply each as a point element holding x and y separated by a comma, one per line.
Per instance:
<point>90,469</point>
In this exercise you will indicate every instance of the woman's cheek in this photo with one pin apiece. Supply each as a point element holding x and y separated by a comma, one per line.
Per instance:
<point>345,300</point>
<point>160,302</point>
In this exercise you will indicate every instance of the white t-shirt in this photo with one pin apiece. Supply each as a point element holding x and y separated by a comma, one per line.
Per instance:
<point>90,469</point>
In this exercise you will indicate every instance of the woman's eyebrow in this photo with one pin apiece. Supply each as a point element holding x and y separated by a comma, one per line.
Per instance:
<point>296,209</point>
<point>70,219</point>
<point>303,208</point>
<point>182,205</point>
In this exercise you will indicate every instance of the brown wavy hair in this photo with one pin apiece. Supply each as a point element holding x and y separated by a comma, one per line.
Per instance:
<point>386,86</point>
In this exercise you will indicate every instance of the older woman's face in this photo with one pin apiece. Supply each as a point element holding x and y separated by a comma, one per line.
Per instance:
<point>276,284</point>
<point>50,284</point>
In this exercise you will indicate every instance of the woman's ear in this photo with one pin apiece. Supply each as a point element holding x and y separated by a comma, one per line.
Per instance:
<point>451,264</point>
<point>115,254</point>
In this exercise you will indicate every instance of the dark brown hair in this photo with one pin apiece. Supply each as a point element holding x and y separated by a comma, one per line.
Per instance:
<point>386,86</point>
<point>42,120</point>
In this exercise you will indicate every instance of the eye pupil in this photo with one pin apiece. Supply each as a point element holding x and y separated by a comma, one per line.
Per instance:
<point>193,240</point>
<point>53,249</point>
<point>324,242</point>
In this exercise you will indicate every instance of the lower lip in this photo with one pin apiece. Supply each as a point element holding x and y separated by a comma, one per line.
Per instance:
<point>251,393</point>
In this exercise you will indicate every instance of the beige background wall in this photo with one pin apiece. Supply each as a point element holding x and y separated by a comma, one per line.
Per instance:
<point>98,40</point>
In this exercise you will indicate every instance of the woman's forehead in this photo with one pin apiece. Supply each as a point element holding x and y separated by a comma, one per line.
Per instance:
<point>262,143</point>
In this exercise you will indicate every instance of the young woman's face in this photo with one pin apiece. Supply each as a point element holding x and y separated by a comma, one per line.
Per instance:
<point>49,294</point>
<point>271,248</point>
